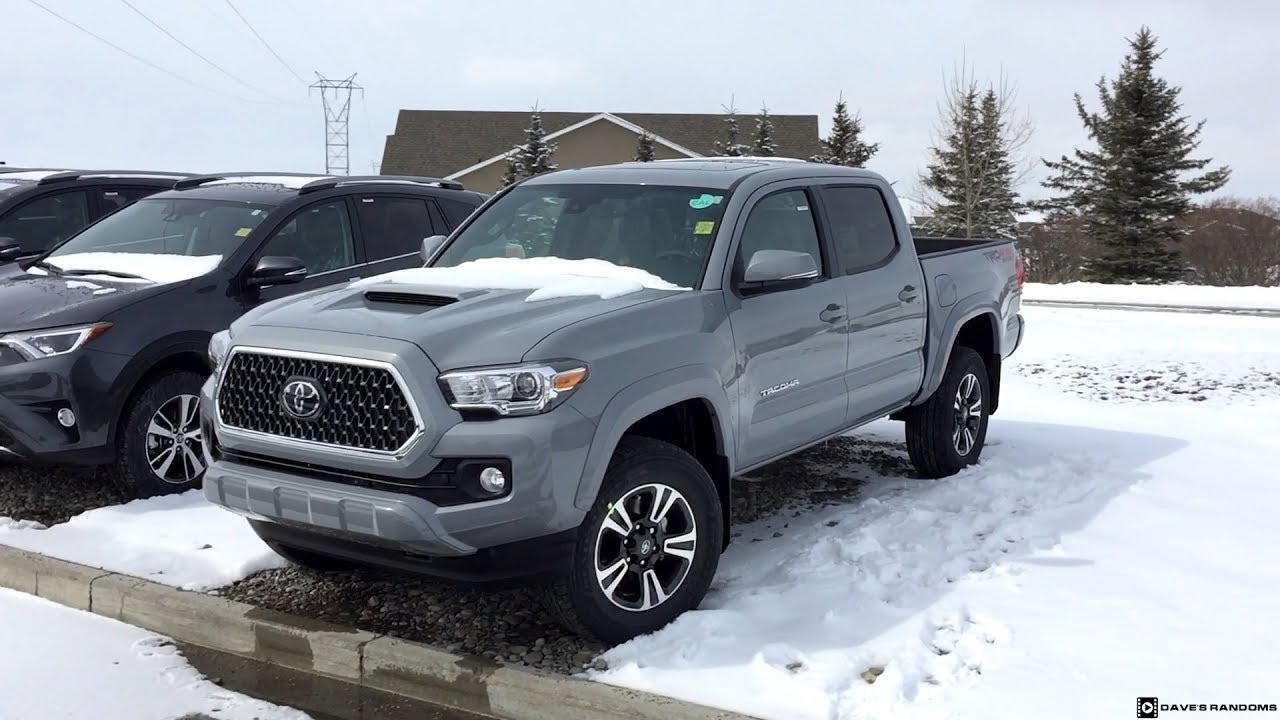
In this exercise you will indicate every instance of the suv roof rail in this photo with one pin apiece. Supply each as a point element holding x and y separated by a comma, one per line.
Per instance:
<point>69,175</point>
<point>733,158</point>
<point>192,181</point>
<point>332,182</point>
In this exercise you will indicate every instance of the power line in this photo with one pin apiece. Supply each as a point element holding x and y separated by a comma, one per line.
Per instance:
<point>193,51</point>
<point>263,41</point>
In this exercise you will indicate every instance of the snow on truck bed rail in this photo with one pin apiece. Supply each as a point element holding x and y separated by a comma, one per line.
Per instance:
<point>1255,297</point>
<point>547,277</point>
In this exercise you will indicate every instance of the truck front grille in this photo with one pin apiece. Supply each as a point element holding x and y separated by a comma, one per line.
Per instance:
<point>358,406</point>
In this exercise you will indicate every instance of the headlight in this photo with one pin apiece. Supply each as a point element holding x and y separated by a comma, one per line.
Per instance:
<point>219,346</point>
<point>36,344</point>
<point>518,390</point>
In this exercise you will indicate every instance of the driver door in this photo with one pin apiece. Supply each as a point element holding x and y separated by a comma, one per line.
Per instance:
<point>322,237</point>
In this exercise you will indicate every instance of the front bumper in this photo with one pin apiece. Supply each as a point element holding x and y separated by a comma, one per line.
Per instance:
<point>32,393</point>
<point>372,509</point>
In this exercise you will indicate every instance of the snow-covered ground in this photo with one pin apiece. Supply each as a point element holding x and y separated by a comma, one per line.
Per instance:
<point>63,664</point>
<point>179,540</point>
<point>1117,540</point>
<point>1258,298</point>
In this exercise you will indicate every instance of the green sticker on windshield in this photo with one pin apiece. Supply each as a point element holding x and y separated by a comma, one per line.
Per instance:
<point>705,200</point>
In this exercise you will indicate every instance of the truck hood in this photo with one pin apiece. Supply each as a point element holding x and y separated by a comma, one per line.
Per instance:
<point>456,326</point>
<point>30,301</point>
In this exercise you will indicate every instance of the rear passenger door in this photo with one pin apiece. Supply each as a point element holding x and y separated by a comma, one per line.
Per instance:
<point>884,287</point>
<point>791,340</point>
<point>393,227</point>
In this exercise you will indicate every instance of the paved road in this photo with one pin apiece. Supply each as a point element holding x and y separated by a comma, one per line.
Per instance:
<point>1152,307</point>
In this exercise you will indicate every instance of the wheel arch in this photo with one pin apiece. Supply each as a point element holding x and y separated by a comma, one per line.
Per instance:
<point>155,361</point>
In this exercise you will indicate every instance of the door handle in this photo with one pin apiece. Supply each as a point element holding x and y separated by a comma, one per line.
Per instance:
<point>908,294</point>
<point>832,313</point>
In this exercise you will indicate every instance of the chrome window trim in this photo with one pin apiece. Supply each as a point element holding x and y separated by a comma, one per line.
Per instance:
<point>420,428</point>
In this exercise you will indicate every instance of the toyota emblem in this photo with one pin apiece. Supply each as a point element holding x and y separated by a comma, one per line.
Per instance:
<point>301,398</point>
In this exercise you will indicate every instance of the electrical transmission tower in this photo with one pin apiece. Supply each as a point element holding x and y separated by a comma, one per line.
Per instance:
<point>336,95</point>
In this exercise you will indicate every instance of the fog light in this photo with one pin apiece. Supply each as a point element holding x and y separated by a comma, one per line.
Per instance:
<point>66,418</point>
<point>492,480</point>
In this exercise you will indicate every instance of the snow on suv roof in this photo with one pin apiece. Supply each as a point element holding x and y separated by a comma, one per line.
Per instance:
<point>30,175</point>
<point>293,182</point>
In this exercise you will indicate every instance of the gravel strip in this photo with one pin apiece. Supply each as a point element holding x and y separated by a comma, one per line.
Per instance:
<point>510,625</point>
<point>50,494</point>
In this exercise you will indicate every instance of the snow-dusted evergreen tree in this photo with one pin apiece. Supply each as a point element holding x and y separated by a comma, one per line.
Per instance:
<point>764,145</point>
<point>1131,192</point>
<point>644,148</point>
<point>845,146</point>
<point>970,182</point>
<point>730,145</point>
<point>512,173</point>
<point>536,152</point>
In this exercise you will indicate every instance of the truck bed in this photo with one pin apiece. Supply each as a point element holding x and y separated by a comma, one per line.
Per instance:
<point>927,247</point>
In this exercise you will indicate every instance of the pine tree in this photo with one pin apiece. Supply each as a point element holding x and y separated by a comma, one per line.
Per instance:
<point>764,145</point>
<point>536,152</point>
<point>513,168</point>
<point>971,179</point>
<point>845,146</point>
<point>730,145</point>
<point>1131,192</point>
<point>644,148</point>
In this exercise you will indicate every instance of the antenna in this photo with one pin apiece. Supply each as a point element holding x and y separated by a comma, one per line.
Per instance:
<point>336,96</point>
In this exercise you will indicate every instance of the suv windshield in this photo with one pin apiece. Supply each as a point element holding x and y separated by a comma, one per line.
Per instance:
<point>159,239</point>
<point>665,231</point>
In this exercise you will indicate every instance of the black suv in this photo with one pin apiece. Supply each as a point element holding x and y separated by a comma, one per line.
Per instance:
<point>103,340</point>
<point>41,208</point>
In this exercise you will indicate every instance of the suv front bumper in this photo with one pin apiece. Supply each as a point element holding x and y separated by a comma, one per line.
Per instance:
<point>33,392</point>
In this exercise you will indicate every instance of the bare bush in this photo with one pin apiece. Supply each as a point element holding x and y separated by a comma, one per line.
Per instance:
<point>1056,252</point>
<point>1234,241</point>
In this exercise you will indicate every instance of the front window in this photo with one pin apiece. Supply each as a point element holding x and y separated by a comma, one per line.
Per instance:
<point>160,239</point>
<point>665,231</point>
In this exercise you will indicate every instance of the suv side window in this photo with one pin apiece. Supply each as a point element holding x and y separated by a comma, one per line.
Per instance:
<point>115,197</point>
<point>319,236</point>
<point>861,228</point>
<point>393,226</point>
<point>46,221</point>
<point>455,211</point>
<point>782,221</point>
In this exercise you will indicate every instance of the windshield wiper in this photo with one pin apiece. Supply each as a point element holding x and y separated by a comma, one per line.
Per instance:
<point>111,273</point>
<point>45,265</point>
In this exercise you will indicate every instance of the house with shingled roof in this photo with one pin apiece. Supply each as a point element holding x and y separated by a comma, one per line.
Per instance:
<point>471,146</point>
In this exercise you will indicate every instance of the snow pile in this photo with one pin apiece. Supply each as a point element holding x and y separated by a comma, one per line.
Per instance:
<point>548,277</point>
<point>73,665</point>
<point>179,540</point>
<point>1254,298</point>
<point>153,267</point>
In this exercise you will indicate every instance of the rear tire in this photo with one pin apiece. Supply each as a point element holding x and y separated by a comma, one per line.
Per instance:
<point>947,432</point>
<point>159,448</point>
<point>631,574</point>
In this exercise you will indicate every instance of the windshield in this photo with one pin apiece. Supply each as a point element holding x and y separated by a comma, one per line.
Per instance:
<point>665,231</point>
<point>160,239</point>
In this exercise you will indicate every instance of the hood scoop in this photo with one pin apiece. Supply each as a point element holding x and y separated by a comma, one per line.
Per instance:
<point>400,297</point>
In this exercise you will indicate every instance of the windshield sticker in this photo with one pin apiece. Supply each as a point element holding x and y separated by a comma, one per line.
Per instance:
<point>704,227</point>
<point>705,200</point>
<point>244,232</point>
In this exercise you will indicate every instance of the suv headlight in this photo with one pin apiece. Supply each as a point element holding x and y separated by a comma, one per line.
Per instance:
<point>219,346</point>
<point>36,344</point>
<point>516,390</point>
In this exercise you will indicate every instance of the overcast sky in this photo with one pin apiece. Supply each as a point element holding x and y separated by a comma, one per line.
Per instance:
<point>68,99</point>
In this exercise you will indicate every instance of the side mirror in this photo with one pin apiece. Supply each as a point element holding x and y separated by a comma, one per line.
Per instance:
<point>768,267</point>
<point>10,249</point>
<point>277,270</point>
<point>430,246</point>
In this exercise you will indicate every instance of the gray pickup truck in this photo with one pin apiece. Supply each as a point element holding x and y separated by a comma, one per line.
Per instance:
<point>707,317</point>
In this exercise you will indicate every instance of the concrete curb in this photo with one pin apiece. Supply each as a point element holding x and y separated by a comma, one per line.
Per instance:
<point>1153,307</point>
<point>378,662</point>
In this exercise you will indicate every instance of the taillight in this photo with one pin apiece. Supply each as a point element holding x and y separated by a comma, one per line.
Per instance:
<point>1022,270</point>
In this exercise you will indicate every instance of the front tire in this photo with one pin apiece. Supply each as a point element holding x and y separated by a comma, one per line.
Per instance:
<point>159,447</point>
<point>648,548</point>
<point>946,434</point>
